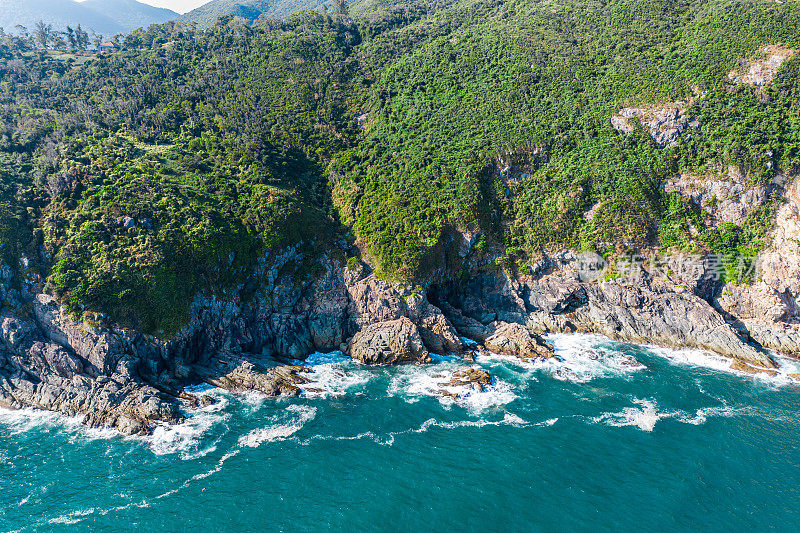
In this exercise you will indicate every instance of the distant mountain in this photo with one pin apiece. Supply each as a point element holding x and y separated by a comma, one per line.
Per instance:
<point>207,14</point>
<point>102,16</point>
<point>131,14</point>
<point>59,13</point>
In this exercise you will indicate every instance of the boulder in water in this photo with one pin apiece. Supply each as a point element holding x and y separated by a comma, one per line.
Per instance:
<point>388,343</point>
<point>519,341</point>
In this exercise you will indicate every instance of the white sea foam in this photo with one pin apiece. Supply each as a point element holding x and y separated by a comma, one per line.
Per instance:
<point>644,416</point>
<point>166,439</point>
<point>208,473</point>
<point>580,359</point>
<point>585,357</point>
<point>415,382</point>
<point>72,518</point>
<point>700,358</point>
<point>333,374</point>
<point>187,438</point>
<point>284,425</point>
<point>325,358</point>
<point>23,420</point>
<point>703,414</point>
<point>509,419</point>
<point>388,439</point>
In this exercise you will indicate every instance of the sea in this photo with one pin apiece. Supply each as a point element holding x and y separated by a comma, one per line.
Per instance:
<point>613,437</point>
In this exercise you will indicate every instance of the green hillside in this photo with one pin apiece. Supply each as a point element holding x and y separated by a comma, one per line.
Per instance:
<point>207,14</point>
<point>220,144</point>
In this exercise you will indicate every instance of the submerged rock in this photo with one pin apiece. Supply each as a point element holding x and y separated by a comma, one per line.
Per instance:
<point>744,367</point>
<point>469,379</point>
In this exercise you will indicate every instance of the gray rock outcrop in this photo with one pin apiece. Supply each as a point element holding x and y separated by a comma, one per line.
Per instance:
<point>665,123</point>
<point>388,343</point>
<point>249,337</point>
<point>519,341</point>
<point>761,72</point>
<point>726,198</point>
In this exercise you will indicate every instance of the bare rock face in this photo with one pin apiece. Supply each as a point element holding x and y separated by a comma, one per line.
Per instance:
<point>727,198</point>
<point>664,122</point>
<point>373,300</point>
<point>50,364</point>
<point>769,309</point>
<point>132,382</point>
<point>518,341</point>
<point>761,72</point>
<point>744,367</point>
<point>388,343</point>
<point>436,332</point>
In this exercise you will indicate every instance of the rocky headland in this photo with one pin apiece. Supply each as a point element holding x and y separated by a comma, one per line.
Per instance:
<point>132,382</point>
<point>254,336</point>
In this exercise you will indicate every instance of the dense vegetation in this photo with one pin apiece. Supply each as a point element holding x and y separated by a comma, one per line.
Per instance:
<point>207,14</point>
<point>150,174</point>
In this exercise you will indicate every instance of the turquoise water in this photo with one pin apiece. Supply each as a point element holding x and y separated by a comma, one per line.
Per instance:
<point>592,444</point>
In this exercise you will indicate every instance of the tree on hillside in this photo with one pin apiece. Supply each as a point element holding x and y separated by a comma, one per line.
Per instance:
<point>81,38</point>
<point>43,33</point>
<point>71,40</point>
<point>59,43</point>
<point>342,9</point>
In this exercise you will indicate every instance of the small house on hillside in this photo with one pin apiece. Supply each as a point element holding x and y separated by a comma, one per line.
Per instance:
<point>108,46</point>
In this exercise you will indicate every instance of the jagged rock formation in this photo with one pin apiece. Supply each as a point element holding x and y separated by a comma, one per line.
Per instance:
<point>664,122</point>
<point>464,381</point>
<point>518,340</point>
<point>769,309</point>
<point>131,382</point>
<point>639,310</point>
<point>387,343</point>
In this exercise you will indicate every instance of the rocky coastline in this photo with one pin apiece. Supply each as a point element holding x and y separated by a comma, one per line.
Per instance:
<point>132,382</point>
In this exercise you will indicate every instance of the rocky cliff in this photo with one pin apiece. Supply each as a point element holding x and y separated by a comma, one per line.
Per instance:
<point>252,337</point>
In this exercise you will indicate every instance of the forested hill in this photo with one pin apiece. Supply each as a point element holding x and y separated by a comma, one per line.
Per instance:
<point>143,176</point>
<point>207,14</point>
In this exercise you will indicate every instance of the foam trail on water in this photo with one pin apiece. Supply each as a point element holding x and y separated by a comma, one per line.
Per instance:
<point>646,414</point>
<point>644,417</point>
<point>285,424</point>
